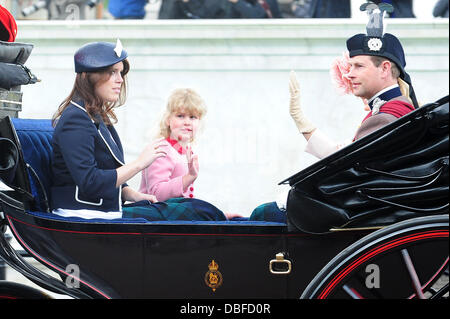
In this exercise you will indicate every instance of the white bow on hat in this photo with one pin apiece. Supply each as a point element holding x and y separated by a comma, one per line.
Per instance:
<point>118,49</point>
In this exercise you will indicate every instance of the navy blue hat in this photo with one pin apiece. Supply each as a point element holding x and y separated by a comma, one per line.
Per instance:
<point>95,56</point>
<point>387,46</point>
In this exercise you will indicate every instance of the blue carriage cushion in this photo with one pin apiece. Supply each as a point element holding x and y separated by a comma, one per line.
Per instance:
<point>35,136</point>
<point>242,221</point>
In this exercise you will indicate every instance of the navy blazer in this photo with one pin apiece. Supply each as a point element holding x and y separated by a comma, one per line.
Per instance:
<point>84,161</point>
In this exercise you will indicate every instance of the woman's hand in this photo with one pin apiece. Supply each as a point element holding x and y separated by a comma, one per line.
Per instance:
<point>129,194</point>
<point>150,153</point>
<point>141,196</point>
<point>303,124</point>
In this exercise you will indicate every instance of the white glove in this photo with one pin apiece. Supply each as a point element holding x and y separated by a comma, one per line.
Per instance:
<point>303,124</point>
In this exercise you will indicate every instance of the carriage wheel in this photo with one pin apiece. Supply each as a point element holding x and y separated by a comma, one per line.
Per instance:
<point>405,260</point>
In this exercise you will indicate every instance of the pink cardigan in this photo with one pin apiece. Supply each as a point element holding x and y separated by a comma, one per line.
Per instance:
<point>163,178</point>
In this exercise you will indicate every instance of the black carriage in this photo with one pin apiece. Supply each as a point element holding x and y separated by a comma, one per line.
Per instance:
<point>370,221</point>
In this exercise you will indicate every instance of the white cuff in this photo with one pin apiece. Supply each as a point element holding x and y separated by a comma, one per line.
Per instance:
<point>320,145</point>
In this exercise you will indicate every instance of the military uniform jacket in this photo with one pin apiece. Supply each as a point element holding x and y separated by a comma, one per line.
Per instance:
<point>85,156</point>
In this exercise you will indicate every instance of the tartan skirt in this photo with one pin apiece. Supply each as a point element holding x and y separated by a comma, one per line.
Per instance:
<point>269,212</point>
<point>179,208</point>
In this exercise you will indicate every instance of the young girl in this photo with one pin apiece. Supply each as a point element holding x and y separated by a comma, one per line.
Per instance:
<point>174,175</point>
<point>171,178</point>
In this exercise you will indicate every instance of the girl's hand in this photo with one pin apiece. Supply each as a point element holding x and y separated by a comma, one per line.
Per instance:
<point>193,168</point>
<point>192,162</point>
<point>366,104</point>
<point>232,215</point>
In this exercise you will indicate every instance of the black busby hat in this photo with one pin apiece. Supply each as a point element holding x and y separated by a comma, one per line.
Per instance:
<point>95,56</point>
<point>378,43</point>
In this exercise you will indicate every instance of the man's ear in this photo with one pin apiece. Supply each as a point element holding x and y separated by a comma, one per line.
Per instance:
<point>386,68</point>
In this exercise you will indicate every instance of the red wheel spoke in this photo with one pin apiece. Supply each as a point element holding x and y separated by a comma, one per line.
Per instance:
<point>412,273</point>
<point>352,292</point>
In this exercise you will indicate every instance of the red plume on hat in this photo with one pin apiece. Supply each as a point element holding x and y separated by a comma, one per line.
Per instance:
<point>8,26</point>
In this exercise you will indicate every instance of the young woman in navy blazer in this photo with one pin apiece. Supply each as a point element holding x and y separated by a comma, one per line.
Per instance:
<point>89,172</point>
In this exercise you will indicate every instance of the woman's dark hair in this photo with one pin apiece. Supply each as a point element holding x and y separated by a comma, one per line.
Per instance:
<point>84,89</point>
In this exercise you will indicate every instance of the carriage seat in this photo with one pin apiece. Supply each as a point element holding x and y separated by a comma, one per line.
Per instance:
<point>33,140</point>
<point>33,175</point>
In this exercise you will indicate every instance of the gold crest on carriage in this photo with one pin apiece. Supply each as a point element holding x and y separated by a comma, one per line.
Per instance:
<point>213,277</point>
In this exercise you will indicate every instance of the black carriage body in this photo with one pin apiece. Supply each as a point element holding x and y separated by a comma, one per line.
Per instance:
<point>244,259</point>
<point>162,260</point>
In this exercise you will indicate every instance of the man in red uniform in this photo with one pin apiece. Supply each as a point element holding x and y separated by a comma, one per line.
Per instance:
<point>377,74</point>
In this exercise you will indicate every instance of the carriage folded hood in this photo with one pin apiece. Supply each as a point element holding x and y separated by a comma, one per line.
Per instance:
<point>395,173</point>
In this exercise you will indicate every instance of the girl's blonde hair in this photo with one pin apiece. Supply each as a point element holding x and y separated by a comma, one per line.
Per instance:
<point>183,99</point>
